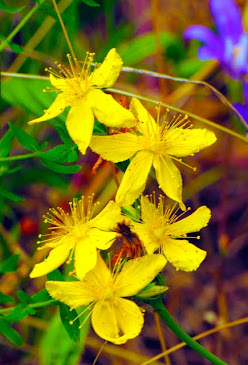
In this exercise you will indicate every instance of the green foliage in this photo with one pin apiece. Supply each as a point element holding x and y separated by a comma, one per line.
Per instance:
<point>5,298</point>
<point>12,10</point>
<point>10,264</point>
<point>90,3</point>
<point>66,314</point>
<point>9,332</point>
<point>25,139</point>
<point>57,348</point>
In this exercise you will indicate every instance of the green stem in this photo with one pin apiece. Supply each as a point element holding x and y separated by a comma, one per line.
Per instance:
<point>20,25</point>
<point>34,305</point>
<point>181,111</point>
<point>158,306</point>
<point>18,157</point>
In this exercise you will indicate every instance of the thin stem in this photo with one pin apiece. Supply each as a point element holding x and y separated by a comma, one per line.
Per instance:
<point>20,25</point>
<point>197,337</point>
<point>18,157</point>
<point>34,305</point>
<point>179,332</point>
<point>64,29</point>
<point>196,82</point>
<point>181,111</point>
<point>122,92</point>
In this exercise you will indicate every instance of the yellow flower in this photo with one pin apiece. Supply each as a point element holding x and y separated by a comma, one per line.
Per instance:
<point>79,88</point>
<point>161,230</point>
<point>113,318</point>
<point>79,233</point>
<point>155,145</point>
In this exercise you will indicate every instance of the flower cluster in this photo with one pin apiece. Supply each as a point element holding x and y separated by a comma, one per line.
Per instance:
<point>155,234</point>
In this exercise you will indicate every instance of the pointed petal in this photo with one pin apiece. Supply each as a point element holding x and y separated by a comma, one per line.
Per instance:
<point>184,142</point>
<point>53,111</point>
<point>228,19</point>
<point>137,274</point>
<point>55,259</point>
<point>80,123</point>
<point>117,320</point>
<point>134,180</point>
<point>85,257</point>
<point>182,254</point>
<point>149,126</point>
<point>148,210</point>
<point>109,70</point>
<point>101,239</point>
<point>116,148</point>
<point>58,83</point>
<point>108,111</point>
<point>108,218</point>
<point>99,277</point>
<point>146,234</point>
<point>74,293</point>
<point>169,178</point>
<point>209,39</point>
<point>193,223</point>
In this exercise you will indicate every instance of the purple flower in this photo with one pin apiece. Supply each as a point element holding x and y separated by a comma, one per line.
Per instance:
<point>243,108</point>
<point>229,45</point>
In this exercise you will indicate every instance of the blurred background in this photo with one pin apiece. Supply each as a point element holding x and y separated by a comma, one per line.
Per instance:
<point>147,35</point>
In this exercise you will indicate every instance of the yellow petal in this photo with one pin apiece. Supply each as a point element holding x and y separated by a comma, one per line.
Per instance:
<point>74,293</point>
<point>108,218</point>
<point>137,274</point>
<point>148,210</point>
<point>55,109</point>
<point>134,180</point>
<point>182,254</point>
<point>117,320</point>
<point>55,259</point>
<point>184,142</point>
<point>146,234</point>
<point>99,277</point>
<point>109,70</point>
<point>169,178</point>
<point>85,257</point>
<point>59,83</point>
<point>102,239</point>
<point>116,148</point>
<point>148,125</point>
<point>80,123</point>
<point>108,111</point>
<point>192,223</point>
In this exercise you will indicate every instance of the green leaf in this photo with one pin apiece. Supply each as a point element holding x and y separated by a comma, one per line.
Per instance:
<point>9,332</point>
<point>17,91</point>
<point>5,143</point>
<point>11,196</point>
<point>57,348</point>
<point>66,316</point>
<point>57,154</point>
<point>64,135</point>
<point>25,139</point>
<point>41,296</point>
<point>23,297</point>
<point>91,3</point>
<point>123,165</point>
<point>55,275</point>
<point>61,169</point>
<point>141,47</point>
<point>19,312</point>
<point>9,265</point>
<point>100,129</point>
<point>5,298</point>
<point>13,46</point>
<point>3,6</point>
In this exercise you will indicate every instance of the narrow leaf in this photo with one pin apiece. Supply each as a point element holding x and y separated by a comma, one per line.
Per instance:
<point>66,316</point>
<point>11,196</point>
<point>5,143</point>
<point>5,298</point>
<point>3,6</point>
<point>24,138</point>
<point>9,332</point>
<point>62,169</point>
<point>91,3</point>
<point>9,265</point>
